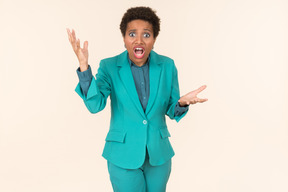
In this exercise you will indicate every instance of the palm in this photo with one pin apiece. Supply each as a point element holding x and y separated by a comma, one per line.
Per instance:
<point>191,97</point>
<point>81,53</point>
<point>192,94</point>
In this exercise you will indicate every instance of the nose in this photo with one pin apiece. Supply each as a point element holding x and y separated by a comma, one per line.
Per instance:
<point>139,39</point>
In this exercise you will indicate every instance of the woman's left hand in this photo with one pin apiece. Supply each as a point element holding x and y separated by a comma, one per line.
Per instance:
<point>191,97</point>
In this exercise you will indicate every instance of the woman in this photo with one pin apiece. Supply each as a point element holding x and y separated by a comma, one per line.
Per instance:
<point>143,88</point>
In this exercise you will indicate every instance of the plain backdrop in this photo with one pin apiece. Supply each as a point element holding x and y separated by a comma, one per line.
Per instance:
<point>235,142</point>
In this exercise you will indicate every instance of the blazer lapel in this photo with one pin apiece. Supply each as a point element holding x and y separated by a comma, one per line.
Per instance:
<point>154,78</point>
<point>128,80</point>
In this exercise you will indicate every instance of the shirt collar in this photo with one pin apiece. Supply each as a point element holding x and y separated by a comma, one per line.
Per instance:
<point>132,64</point>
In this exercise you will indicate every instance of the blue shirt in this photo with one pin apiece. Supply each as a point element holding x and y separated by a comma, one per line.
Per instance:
<point>141,80</point>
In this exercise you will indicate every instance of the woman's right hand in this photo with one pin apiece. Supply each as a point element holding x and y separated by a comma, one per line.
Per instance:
<point>82,54</point>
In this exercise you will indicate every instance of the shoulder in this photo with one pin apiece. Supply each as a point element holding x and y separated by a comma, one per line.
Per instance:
<point>166,62</point>
<point>161,58</point>
<point>112,62</point>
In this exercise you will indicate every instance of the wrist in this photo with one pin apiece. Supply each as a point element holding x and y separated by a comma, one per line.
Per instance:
<point>182,104</point>
<point>83,67</point>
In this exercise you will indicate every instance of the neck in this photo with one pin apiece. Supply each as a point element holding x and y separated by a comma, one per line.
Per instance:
<point>139,64</point>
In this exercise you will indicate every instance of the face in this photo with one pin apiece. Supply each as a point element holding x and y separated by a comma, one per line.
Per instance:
<point>139,40</point>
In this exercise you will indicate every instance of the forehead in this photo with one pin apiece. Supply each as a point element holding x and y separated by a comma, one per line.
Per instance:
<point>139,25</point>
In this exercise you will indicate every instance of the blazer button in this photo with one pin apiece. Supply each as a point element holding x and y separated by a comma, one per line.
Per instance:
<point>144,122</point>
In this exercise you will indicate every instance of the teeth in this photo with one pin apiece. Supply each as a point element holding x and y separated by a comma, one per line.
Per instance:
<point>138,49</point>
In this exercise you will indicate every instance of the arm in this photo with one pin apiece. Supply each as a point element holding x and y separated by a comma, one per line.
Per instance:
<point>174,97</point>
<point>85,79</point>
<point>179,110</point>
<point>98,91</point>
<point>94,92</point>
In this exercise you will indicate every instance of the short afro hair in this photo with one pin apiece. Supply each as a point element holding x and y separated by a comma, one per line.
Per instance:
<point>142,13</point>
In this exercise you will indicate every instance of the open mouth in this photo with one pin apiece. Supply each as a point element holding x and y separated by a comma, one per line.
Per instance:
<point>139,52</point>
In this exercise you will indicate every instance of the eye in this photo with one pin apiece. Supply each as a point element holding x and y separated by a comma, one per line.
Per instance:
<point>146,35</point>
<point>132,34</point>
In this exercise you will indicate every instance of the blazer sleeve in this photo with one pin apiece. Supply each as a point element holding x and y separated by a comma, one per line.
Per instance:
<point>85,78</point>
<point>174,96</point>
<point>98,91</point>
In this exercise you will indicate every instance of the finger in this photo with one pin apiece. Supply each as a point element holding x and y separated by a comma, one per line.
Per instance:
<point>200,89</point>
<point>202,100</point>
<point>85,45</point>
<point>193,102</point>
<point>73,34</point>
<point>78,43</point>
<point>73,37</point>
<point>69,34</point>
<point>197,100</point>
<point>68,31</point>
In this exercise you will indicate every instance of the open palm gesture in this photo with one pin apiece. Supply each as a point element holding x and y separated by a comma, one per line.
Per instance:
<point>191,97</point>
<point>81,53</point>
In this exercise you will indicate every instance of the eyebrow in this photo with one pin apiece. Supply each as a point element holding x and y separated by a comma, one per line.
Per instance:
<point>133,30</point>
<point>147,30</point>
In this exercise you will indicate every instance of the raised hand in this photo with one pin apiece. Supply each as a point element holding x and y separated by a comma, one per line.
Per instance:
<point>191,97</point>
<point>81,53</point>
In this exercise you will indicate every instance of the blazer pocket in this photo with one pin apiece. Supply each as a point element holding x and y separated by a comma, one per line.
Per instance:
<point>116,136</point>
<point>164,132</point>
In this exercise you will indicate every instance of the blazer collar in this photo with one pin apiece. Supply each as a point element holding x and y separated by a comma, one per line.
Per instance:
<point>128,81</point>
<point>131,62</point>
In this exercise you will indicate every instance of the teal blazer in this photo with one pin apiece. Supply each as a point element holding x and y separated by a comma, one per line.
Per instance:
<point>131,129</point>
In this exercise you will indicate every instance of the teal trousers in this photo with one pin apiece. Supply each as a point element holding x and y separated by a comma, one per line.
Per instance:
<point>147,178</point>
